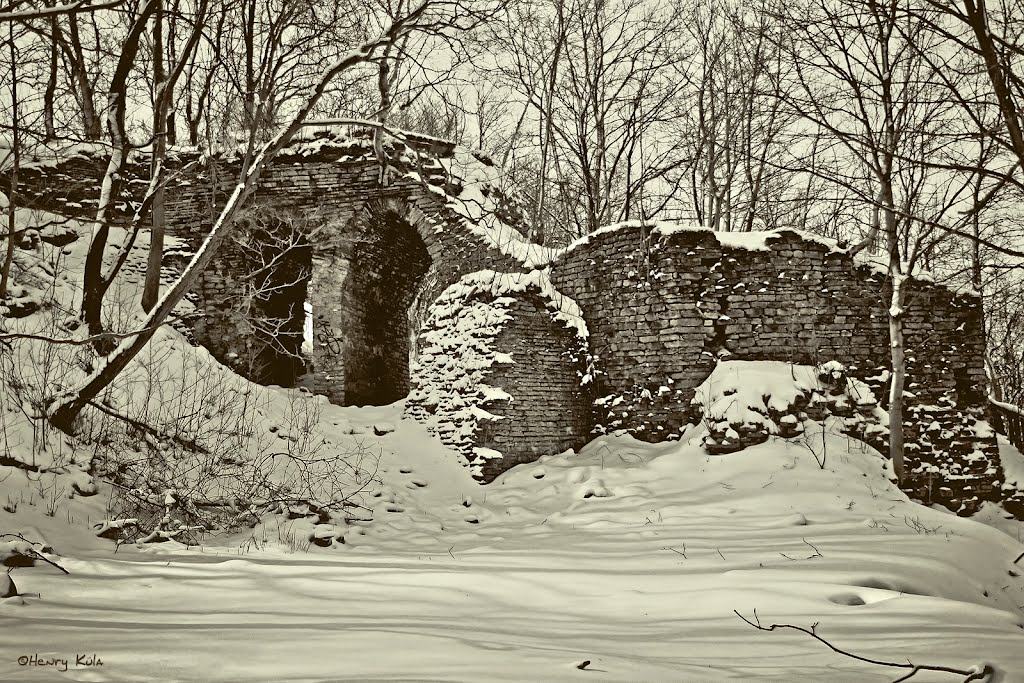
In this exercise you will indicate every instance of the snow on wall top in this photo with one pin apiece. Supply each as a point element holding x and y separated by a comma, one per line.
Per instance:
<point>355,137</point>
<point>469,184</point>
<point>562,308</point>
<point>478,199</point>
<point>758,241</point>
<point>54,154</point>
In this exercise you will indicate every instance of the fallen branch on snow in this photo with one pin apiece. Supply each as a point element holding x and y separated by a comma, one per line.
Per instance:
<point>22,553</point>
<point>981,672</point>
<point>190,444</point>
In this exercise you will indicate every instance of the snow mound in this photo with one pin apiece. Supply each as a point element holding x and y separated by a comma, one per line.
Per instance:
<point>745,402</point>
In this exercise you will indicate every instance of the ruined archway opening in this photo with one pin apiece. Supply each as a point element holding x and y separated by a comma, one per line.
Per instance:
<point>386,271</point>
<point>276,263</point>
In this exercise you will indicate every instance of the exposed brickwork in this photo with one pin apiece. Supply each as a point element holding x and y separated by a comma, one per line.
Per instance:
<point>252,296</point>
<point>387,266</point>
<point>662,306</point>
<point>370,245</point>
<point>549,409</point>
<point>501,373</point>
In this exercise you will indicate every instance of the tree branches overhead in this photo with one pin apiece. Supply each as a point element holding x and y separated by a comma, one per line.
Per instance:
<point>893,126</point>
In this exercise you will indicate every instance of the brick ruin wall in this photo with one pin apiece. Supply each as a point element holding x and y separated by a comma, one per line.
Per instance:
<point>550,410</point>
<point>500,377</point>
<point>662,307</point>
<point>369,249</point>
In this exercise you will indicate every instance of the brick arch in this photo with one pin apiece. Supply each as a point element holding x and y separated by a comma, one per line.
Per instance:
<point>354,279</point>
<point>362,288</point>
<point>441,211</point>
<point>252,296</point>
<point>406,208</point>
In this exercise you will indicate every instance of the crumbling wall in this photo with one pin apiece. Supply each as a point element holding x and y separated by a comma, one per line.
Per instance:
<point>664,303</point>
<point>375,228</point>
<point>502,376</point>
<point>661,306</point>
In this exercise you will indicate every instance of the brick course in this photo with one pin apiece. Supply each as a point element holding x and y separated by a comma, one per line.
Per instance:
<point>661,306</point>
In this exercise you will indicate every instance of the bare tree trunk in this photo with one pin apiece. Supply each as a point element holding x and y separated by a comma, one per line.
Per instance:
<point>899,374</point>
<point>164,92</point>
<point>12,226</point>
<point>51,85</point>
<point>194,116</point>
<point>249,96</point>
<point>547,136</point>
<point>64,409</point>
<point>93,126</point>
<point>384,83</point>
<point>94,283</point>
<point>900,284</point>
<point>999,76</point>
<point>151,286</point>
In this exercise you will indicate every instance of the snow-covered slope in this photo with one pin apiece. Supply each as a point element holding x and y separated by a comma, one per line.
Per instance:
<point>629,556</point>
<point>625,562</point>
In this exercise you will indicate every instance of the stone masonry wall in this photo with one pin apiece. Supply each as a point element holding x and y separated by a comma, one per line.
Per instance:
<point>549,410</point>
<point>343,196</point>
<point>371,244</point>
<point>502,372</point>
<point>663,305</point>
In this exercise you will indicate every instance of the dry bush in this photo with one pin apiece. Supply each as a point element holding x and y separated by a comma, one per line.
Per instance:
<point>195,451</point>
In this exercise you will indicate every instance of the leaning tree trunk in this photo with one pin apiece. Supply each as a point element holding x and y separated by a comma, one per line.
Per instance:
<point>64,410</point>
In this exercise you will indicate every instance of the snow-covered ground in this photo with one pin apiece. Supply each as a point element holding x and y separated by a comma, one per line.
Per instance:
<point>628,556</point>
<point>625,562</point>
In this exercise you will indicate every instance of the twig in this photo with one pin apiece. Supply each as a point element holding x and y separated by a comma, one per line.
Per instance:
<point>817,553</point>
<point>8,461</point>
<point>985,673</point>
<point>84,341</point>
<point>190,444</point>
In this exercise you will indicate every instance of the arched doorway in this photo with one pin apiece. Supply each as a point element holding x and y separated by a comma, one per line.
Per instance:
<point>361,296</point>
<point>252,297</point>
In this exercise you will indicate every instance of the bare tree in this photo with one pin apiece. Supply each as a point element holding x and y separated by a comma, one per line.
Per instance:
<point>163,124</point>
<point>596,77</point>
<point>5,269</point>
<point>25,10</point>
<point>999,40</point>
<point>83,71</point>
<point>860,77</point>
<point>429,16</point>
<point>94,281</point>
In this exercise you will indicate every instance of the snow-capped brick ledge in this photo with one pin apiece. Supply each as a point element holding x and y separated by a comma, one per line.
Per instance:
<point>501,374</point>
